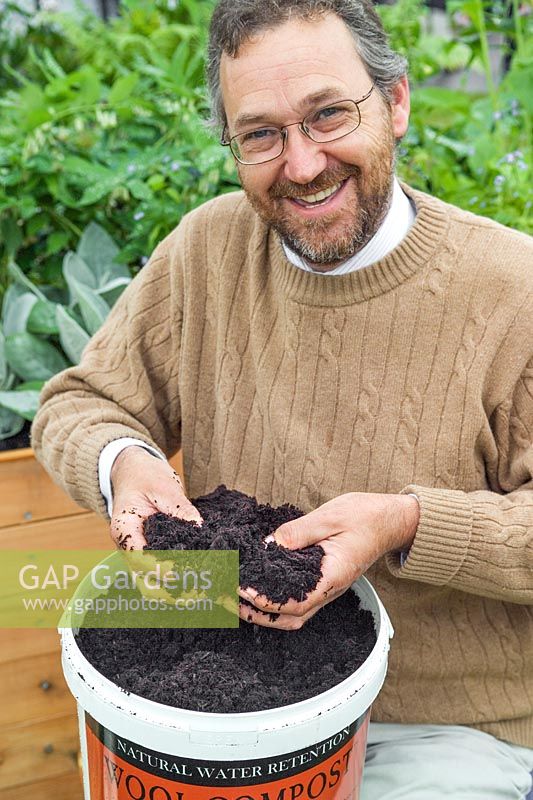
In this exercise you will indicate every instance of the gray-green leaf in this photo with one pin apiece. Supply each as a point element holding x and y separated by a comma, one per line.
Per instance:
<point>71,335</point>
<point>17,274</point>
<point>93,309</point>
<point>99,251</point>
<point>32,358</point>
<point>17,309</point>
<point>42,318</point>
<point>112,290</point>
<point>23,403</point>
<point>10,423</point>
<point>75,269</point>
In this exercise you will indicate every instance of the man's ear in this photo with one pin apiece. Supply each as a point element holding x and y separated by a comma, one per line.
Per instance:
<point>400,107</point>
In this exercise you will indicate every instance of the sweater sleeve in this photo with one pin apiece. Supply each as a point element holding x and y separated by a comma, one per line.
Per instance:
<point>126,384</point>
<point>481,542</point>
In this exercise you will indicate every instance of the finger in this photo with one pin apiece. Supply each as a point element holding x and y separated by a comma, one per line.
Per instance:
<point>127,529</point>
<point>263,603</point>
<point>324,593</point>
<point>285,622</point>
<point>180,507</point>
<point>189,512</point>
<point>309,529</point>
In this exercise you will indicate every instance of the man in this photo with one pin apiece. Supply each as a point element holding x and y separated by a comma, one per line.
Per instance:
<point>362,350</point>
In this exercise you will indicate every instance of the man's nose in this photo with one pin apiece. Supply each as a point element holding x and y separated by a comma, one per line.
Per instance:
<point>304,159</point>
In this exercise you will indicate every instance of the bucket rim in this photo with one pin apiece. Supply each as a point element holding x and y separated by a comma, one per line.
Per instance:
<point>78,669</point>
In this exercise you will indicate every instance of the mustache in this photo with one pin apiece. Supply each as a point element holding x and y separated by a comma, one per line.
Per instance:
<point>321,182</point>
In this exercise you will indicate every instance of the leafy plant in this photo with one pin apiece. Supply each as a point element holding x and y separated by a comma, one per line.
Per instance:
<point>44,330</point>
<point>103,122</point>
<point>473,149</point>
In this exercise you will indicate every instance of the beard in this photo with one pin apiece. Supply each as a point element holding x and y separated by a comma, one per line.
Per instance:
<point>336,236</point>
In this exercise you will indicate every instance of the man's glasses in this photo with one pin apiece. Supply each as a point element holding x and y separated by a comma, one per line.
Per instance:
<point>323,125</point>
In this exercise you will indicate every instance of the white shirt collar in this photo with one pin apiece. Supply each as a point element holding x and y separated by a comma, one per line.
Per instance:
<point>390,233</point>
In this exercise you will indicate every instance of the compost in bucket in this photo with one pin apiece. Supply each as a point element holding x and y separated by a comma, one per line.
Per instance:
<point>312,748</point>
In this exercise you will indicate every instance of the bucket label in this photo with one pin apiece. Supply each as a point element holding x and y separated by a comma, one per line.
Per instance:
<point>328,770</point>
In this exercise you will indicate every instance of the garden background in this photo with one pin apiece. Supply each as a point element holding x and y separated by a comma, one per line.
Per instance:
<point>102,151</point>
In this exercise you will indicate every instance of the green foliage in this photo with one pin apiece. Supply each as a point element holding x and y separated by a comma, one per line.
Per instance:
<point>470,149</point>
<point>102,122</point>
<point>44,331</point>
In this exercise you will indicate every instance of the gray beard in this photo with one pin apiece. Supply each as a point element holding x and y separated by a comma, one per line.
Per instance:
<point>331,253</point>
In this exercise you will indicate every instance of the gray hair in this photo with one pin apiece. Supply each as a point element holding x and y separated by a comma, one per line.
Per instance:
<point>236,21</point>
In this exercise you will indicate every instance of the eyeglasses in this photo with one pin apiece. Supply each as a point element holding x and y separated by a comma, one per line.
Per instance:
<point>327,124</point>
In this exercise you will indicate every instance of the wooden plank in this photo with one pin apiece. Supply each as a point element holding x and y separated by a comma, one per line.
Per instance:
<point>30,495</point>
<point>64,787</point>
<point>34,690</point>
<point>16,455</point>
<point>48,749</point>
<point>20,643</point>
<point>85,531</point>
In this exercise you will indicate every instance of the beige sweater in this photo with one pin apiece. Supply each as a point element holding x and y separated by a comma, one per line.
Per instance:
<point>413,374</point>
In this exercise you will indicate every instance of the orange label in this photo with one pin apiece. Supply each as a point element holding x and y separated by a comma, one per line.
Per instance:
<point>328,770</point>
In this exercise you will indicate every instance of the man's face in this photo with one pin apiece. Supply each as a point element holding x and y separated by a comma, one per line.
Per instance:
<point>273,79</point>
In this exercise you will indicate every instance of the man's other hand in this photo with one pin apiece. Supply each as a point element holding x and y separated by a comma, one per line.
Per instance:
<point>142,486</point>
<point>354,530</point>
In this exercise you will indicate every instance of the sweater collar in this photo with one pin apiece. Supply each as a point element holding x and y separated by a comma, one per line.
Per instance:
<point>413,253</point>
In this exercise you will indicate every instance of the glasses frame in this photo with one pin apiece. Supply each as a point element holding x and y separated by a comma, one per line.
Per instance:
<point>301,126</point>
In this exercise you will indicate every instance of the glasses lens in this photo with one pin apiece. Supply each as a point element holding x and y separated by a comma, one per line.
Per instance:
<point>332,122</point>
<point>257,146</point>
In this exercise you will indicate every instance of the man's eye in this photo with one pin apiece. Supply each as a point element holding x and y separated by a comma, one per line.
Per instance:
<point>258,135</point>
<point>328,113</point>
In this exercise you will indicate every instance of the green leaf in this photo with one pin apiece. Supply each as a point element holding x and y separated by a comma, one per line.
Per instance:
<point>71,335</point>
<point>37,225</point>
<point>56,242</point>
<point>76,270</point>
<point>122,88</point>
<point>99,251</point>
<point>98,191</point>
<point>17,310</point>
<point>11,236</point>
<point>33,385</point>
<point>16,273</point>
<point>518,83</point>
<point>89,170</point>
<point>42,318</point>
<point>33,108</point>
<point>31,358</point>
<point>112,290</point>
<point>4,370</point>
<point>112,285</point>
<point>24,403</point>
<point>139,189</point>
<point>94,309</point>
<point>10,423</point>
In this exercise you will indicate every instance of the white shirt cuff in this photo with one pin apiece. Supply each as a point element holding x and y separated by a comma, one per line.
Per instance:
<point>107,459</point>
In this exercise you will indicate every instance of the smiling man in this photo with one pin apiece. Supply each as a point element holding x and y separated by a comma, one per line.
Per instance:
<point>304,177</point>
<point>333,339</point>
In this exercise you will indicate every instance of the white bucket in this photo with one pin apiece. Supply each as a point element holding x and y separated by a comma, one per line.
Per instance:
<point>135,749</point>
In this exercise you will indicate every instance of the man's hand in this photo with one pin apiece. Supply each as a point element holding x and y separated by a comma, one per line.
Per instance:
<point>143,485</point>
<point>354,530</point>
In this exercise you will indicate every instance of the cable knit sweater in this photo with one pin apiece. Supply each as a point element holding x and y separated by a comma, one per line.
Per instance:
<point>414,374</point>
